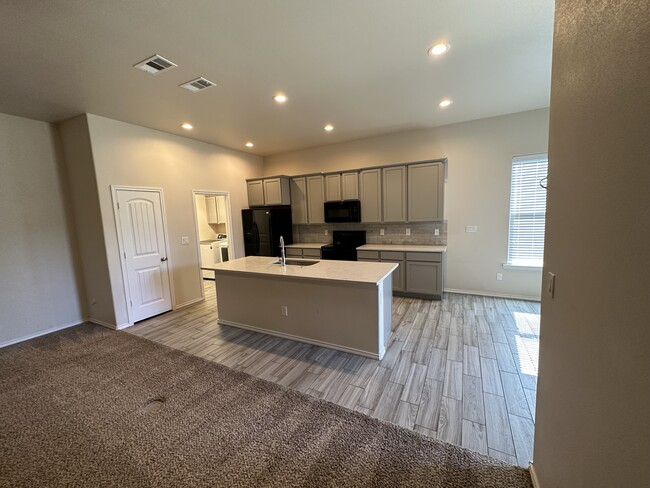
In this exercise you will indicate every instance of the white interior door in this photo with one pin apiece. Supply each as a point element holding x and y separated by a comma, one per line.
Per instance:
<point>145,252</point>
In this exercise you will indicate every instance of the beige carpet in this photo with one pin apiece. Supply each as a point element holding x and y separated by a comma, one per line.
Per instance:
<point>75,411</point>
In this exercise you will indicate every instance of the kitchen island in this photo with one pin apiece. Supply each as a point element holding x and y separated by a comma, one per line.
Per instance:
<point>344,305</point>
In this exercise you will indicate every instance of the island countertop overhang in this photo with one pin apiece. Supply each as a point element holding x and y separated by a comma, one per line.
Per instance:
<point>368,273</point>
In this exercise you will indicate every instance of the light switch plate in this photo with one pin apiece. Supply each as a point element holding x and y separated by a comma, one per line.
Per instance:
<point>185,241</point>
<point>436,232</point>
<point>471,228</point>
<point>327,232</point>
<point>408,232</point>
<point>381,232</point>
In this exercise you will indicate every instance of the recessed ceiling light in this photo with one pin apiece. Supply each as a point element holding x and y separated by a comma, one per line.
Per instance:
<point>187,126</point>
<point>249,144</point>
<point>329,127</point>
<point>280,98</point>
<point>445,103</point>
<point>438,49</point>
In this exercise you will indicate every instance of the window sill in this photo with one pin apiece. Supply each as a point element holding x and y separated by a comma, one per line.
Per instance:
<point>521,267</point>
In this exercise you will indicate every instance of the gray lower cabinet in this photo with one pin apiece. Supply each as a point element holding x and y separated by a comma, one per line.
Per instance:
<point>419,274</point>
<point>424,273</point>
<point>303,252</point>
<point>398,274</point>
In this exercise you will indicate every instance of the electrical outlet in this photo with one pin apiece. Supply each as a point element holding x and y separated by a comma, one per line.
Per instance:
<point>436,232</point>
<point>408,232</point>
<point>284,310</point>
<point>382,232</point>
<point>327,232</point>
<point>550,284</point>
<point>471,228</point>
<point>185,241</point>
<point>499,276</point>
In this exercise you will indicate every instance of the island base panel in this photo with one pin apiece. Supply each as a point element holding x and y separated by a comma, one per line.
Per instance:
<point>350,317</point>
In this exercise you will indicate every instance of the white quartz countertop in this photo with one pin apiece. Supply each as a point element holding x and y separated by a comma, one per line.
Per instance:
<point>341,271</point>
<point>308,245</point>
<point>401,247</point>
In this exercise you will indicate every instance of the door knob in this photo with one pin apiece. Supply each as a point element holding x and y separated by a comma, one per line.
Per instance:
<point>163,259</point>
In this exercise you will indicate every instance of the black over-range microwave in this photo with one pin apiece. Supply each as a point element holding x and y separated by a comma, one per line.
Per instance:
<point>347,211</point>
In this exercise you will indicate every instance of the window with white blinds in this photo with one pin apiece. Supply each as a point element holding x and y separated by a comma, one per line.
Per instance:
<point>527,211</point>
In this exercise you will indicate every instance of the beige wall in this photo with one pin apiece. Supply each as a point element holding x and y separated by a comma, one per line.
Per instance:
<point>83,196</point>
<point>477,191</point>
<point>593,396</point>
<point>131,155</point>
<point>39,289</point>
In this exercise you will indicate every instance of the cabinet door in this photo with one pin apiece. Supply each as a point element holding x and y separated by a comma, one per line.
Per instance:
<point>255,193</point>
<point>272,191</point>
<point>299,201</point>
<point>333,188</point>
<point>221,209</point>
<point>370,195</point>
<point>315,199</point>
<point>398,274</point>
<point>423,277</point>
<point>211,210</point>
<point>394,194</point>
<point>350,186</point>
<point>425,192</point>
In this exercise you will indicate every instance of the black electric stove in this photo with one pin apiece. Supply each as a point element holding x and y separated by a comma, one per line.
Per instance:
<point>344,245</point>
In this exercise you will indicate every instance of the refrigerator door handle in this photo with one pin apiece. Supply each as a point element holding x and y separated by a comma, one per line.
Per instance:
<point>256,239</point>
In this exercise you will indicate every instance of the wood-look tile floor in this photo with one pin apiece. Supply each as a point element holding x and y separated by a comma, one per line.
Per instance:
<point>462,370</point>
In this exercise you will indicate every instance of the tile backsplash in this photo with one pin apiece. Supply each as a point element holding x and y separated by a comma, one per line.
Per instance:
<point>422,233</point>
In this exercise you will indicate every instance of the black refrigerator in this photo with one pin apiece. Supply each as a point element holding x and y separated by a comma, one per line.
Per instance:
<point>263,227</point>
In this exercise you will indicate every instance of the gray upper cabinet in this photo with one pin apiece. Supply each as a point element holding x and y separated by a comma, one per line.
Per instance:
<point>333,187</point>
<point>350,186</point>
<point>268,191</point>
<point>370,195</point>
<point>342,186</point>
<point>425,192</point>
<point>394,193</point>
<point>299,201</point>
<point>276,191</point>
<point>255,193</point>
<point>316,199</point>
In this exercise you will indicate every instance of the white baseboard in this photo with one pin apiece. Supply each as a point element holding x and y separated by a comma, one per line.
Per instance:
<point>358,352</point>
<point>188,303</point>
<point>38,334</point>
<point>490,294</point>
<point>533,476</point>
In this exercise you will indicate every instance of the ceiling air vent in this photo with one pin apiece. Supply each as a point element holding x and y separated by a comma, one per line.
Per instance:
<point>155,64</point>
<point>197,85</point>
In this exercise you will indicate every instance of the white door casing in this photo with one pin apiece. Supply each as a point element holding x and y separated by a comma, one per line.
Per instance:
<point>144,252</point>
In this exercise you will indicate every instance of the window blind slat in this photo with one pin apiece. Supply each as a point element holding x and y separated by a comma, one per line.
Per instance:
<point>527,211</point>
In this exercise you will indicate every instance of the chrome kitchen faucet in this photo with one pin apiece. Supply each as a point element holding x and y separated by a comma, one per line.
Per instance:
<point>283,257</point>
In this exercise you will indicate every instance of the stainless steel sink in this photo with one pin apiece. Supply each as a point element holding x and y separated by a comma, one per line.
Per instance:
<point>297,262</point>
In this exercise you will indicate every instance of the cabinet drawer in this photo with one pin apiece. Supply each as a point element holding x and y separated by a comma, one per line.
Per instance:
<point>435,257</point>
<point>311,253</point>
<point>294,252</point>
<point>368,255</point>
<point>394,255</point>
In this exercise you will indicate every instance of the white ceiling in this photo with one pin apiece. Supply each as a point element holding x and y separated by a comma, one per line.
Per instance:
<point>361,65</point>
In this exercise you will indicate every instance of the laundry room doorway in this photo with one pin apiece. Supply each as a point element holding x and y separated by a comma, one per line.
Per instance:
<point>213,218</point>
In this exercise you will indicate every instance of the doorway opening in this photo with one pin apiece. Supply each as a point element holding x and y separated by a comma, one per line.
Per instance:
<point>213,217</point>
